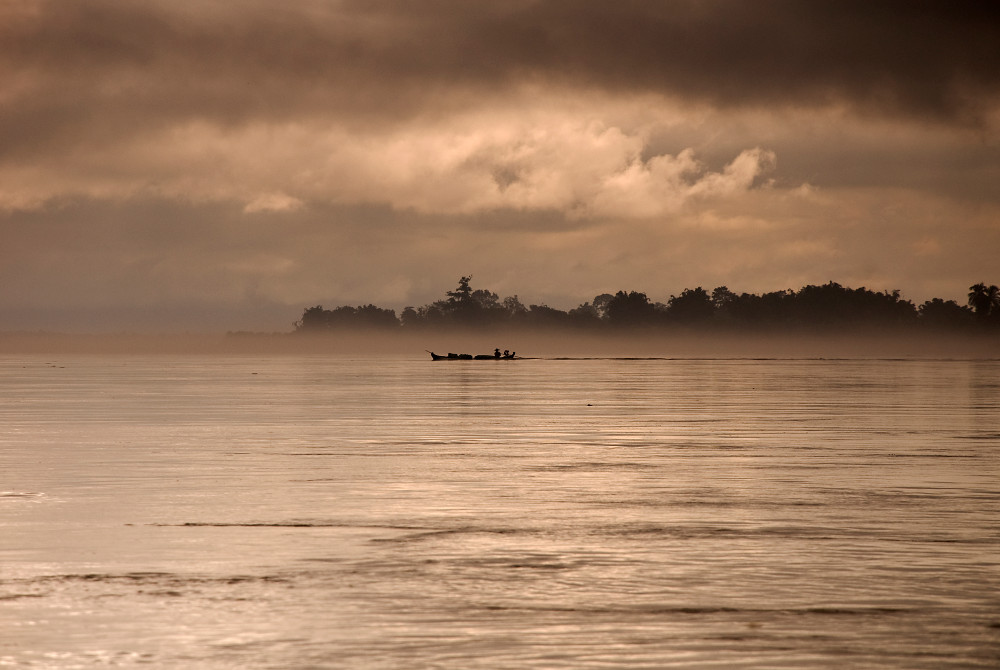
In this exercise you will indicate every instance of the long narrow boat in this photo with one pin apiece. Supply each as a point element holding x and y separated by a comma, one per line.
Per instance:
<point>470,357</point>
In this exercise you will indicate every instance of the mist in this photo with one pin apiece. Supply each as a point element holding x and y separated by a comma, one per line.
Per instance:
<point>527,344</point>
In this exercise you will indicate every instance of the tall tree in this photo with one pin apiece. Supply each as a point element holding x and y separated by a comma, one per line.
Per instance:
<point>693,304</point>
<point>513,306</point>
<point>941,313</point>
<point>462,294</point>
<point>985,300</point>
<point>629,309</point>
<point>601,303</point>
<point>722,297</point>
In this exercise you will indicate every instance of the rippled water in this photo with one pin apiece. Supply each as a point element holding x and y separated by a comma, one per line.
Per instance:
<point>311,512</point>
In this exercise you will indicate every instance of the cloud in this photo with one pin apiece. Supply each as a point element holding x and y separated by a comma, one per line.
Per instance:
<point>222,154</point>
<point>460,107</point>
<point>273,202</point>
<point>103,68</point>
<point>580,168</point>
<point>94,256</point>
<point>663,184</point>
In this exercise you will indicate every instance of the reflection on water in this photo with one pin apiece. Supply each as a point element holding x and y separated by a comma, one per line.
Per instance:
<point>312,512</point>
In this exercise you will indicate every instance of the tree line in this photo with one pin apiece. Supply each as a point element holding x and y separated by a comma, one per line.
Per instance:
<point>827,306</point>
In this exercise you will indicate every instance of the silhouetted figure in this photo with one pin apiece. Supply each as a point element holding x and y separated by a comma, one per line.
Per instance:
<point>496,352</point>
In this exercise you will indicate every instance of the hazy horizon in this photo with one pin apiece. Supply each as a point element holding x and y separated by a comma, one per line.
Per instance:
<point>266,319</point>
<point>529,343</point>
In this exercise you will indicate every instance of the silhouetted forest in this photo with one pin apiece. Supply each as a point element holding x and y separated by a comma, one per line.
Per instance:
<point>828,307</point>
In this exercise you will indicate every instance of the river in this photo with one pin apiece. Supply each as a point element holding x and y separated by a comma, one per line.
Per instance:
<point>306,511</point>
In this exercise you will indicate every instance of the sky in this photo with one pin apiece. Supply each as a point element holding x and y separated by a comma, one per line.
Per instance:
<point>205,165</point>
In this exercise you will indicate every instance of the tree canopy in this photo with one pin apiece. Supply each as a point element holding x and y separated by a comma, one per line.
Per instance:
<point>829,306</point>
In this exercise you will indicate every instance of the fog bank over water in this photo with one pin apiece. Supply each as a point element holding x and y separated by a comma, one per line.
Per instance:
<point>527,344</point>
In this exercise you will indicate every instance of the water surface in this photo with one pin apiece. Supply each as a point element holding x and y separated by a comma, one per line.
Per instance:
<point>318,512</point>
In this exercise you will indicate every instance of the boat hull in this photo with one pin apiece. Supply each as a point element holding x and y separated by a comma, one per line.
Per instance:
<point>469,357</point>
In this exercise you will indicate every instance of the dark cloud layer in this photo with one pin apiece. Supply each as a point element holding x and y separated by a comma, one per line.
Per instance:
<point>896,57</point>
<point>96,65</point>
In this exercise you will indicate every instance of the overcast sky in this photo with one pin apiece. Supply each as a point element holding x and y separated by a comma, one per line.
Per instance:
<point>223,164</point>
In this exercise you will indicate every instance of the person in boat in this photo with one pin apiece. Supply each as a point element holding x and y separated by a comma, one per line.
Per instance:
<point>506,353</point>
<point>496,352</point>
